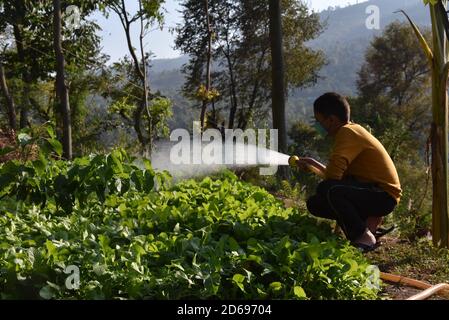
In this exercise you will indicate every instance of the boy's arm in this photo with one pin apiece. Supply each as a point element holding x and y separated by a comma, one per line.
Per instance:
<point>312,165</point>
<point>346,148</point>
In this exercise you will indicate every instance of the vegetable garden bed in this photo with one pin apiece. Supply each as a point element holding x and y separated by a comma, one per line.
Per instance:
<point>212,239</point>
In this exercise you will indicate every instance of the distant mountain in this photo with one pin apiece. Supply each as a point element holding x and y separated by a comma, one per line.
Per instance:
<point>349,24</point>
<point>344,41</point>
<point>162,65</point>
<point>346,37</point>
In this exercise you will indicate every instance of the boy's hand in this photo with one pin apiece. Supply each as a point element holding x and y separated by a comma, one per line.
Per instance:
<point>311,165</point>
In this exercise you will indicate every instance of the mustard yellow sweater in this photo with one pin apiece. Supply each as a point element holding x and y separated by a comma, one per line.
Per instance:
<point>358,153</point>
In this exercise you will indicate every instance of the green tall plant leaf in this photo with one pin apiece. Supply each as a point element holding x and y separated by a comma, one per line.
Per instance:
<point>420,37</point>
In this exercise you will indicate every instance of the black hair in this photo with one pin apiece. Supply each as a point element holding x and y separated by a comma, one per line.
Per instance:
<point>332,103</point>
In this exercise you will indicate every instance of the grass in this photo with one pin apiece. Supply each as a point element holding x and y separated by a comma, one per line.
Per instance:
<point>418,260</point>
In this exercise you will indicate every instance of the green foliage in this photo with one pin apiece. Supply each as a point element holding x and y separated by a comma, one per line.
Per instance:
<point>413,215</point>
<point>241,51</point>
<point>89,118</point>
<point>198,239</point>
<point>151,12</point>
<point>31,64</point>
<point>160,112</point>
<point>291,191</point>
<point>394,92</point>
<point>121,106</point>
<point>207,95</point>
<point>67,185</point>
<point>33,21</point>
<point>126,100</point>
<point>395,67</point>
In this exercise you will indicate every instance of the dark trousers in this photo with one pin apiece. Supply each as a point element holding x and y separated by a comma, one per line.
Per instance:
<point>350,203</point>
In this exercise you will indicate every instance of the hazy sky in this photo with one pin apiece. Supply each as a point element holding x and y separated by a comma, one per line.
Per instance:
<point>324,4</point>
<point>161,42</point>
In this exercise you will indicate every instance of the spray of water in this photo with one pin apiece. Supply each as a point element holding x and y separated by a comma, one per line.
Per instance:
<point>243,156</point>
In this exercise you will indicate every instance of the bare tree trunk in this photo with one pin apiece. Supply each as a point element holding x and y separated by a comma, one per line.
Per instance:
<point>26,77</point>
<point>203,114</point>
<point>208,64</point>
<point>278,91</point>
<point>234,100</point>
<point>62,90</point>
<point>145,82</point>
<point>243,122</point>
<point>127,25</point>
<point>11,109</point>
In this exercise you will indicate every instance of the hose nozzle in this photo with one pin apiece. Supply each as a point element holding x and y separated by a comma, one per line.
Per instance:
<point>292,161</point>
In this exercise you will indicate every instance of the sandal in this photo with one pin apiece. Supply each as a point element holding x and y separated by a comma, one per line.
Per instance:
<point>380,232</point>
<point>364,248</point>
